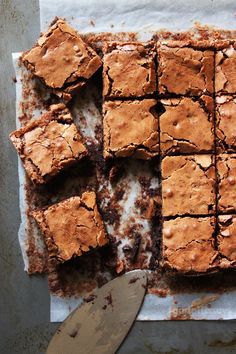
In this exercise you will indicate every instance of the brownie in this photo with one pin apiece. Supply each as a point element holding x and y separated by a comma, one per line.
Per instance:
<point>184,70</point>
<point>49,144</point>
<point>226,123</point>
<point>188,244</point>
<point>187,126</point>
<point>128,70</point>
<point>62,60</point>
<point>225,67</point>
<point>226,240</point>
<point>226,170</point>
<point>130,129</point>
<point>71,227</point>
<point>188,185</point>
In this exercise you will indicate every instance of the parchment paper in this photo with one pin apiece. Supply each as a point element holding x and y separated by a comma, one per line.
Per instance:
<point>144,17</point>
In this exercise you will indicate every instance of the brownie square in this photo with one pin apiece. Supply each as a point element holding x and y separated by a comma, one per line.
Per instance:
<point>226,171</point>
<point>71,227</point>
<point>184,70</point>
<point>128,70</point>
<point>187,125</point>
<point>188,244</point>
<point>188,185</point>
<point>49,144</point>
<point>226,123</point>
<point>62,60</point>
<point>226,240</point>
<point>130,129</point>
<point>225,67</point>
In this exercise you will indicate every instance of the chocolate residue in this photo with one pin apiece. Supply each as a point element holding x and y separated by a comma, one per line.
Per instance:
<point>133,280</point>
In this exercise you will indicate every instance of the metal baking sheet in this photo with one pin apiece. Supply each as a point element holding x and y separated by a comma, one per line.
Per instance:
<point>123,17</point>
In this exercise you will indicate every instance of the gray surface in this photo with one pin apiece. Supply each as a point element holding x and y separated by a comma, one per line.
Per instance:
<point>24,301</point>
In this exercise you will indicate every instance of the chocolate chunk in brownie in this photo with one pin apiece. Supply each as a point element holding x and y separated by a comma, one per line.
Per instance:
<point>72,227</point>
<point>186,126</point>
<point>62,60</point>
<point>49,144</point>
<point>130,129</point>
<point>188,185</point>
<point>129,70</point>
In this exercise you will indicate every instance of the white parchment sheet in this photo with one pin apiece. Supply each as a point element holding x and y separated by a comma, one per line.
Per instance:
<point>143,17</point>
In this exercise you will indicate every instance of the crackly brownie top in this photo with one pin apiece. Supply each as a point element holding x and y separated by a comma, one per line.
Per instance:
<point>185,70</point>
<point>226,122</point>
<point>226,169</point>
<point>225,78</point>
<point>188,244</point>
<point>48,144</point>
<point>130,128</point>
<point>129,70</point>
<point>72,226</point>
<point>226,239</point>
<point>61,57</point>
<point>187,126</point>
<point>188,185</point>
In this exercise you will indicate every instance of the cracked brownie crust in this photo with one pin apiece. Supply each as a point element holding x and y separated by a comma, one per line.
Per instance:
<point>187,126</point>
<point>130,129</point>
<point>49,144</point>
<point>226,170</point>
<point>226,240</point>
<point>188,244</point>
<point>184,70</point>
<point>188,185</point>
<point>226,123</point>
<point>61,59</point>
<point>129,70</point>
<point>225,79</point>
<point>72,227</point>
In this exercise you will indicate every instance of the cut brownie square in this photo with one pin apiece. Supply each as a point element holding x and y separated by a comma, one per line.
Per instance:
<point>188,244</point>
<point>187,126</point>
<point>49,144</point>
<point>71,227</point>
<point>226,170</point>
<point>226,123</point>
<point>62,60</point>
<point>226,240</point>
<point>188,185</point>
<point>225,67</point>
<point>184,70</point>
<point>130,129</point>
<point>128,70</point>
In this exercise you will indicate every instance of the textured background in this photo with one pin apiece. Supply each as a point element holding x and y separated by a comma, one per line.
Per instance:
<point>24,301</point>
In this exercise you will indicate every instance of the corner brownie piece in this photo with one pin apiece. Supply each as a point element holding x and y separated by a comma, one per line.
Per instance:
<point>226,123</point>
<point>184,70</point>
<point>187,126</point>
<point>225,67</point>
<point>188,244</point>
<point>226,170</point>
<point>72,227</point>
<point>130,129</point>
<point>62,60</point>
<point>128,70</point>
<point>226,240</point>
<point>188,185</point>
<point>49,144</point>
